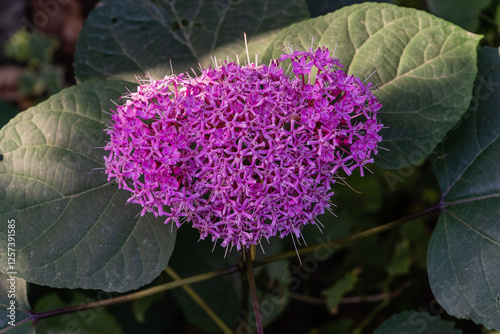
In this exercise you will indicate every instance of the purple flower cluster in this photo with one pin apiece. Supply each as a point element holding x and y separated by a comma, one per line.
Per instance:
<point>243,152</point>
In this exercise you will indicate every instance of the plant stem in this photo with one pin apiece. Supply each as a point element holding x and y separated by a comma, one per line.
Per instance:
<point>35,316</point>
<point>370,316</point>
<point>245,293</point>
<point>359,328</point>
<point>375,298</point>
<point>349,239</point>
<point>201,303</point>
<point>352,300</point>
<point>253,289</point>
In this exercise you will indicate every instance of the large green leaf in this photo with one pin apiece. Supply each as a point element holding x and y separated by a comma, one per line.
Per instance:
<point>14,306</point>
<point>416,323</point>
<point>424,70</point>
<point>465,13</point>
<point>73,228</point>
<point>464,251</point>
<point>123,38</point>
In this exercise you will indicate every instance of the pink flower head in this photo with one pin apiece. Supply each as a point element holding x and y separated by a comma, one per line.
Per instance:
<point>243,152</point>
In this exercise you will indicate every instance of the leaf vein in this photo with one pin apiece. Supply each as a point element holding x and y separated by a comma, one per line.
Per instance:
<point>187,41</point>
<point>486,278</point>
<point>480,151</point>
<point>480,233</point>
<point>124,50</point>
<point>453,264</point>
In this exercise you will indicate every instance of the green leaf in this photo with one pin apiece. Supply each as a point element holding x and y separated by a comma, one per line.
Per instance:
<point>46,79</point>
<point>464,13</point>
<point>14,305</point>
<point>401,260</point>
<point>76,229</point>
<point>424,69</point>
<point>34,48</point>
<point>416,323</point>
<point>124,38</point>
<point>418,234</point>
<point>141,306</point>
<point>340,288</point>
<point>91,321</point>
<point>222,294</point>
<point>464,251</point>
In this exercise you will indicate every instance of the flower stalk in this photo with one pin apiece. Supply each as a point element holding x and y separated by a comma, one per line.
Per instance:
<point>253,290</point>
<point>201,303</point>
<point>36,316</point>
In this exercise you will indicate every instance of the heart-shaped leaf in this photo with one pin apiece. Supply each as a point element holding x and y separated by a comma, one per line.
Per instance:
<point>424,69</point>
<point>124,38</point>
<point>464,251</point>
<point>74,229</point>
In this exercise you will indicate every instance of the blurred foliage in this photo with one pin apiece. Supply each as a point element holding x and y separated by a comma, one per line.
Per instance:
<point>480,17</point>
<point>453,11</point>
<point>97,320</point>
<point>33,48</point>
<point>40,77</point>
<point>46,79</point>
<point>6,113</point>
<point>340,288</point>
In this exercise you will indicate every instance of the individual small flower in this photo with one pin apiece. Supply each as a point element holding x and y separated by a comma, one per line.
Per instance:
<point>243,152</point>
<point>312,92</point>
<point>302,66</point>
<point>309,117</point>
